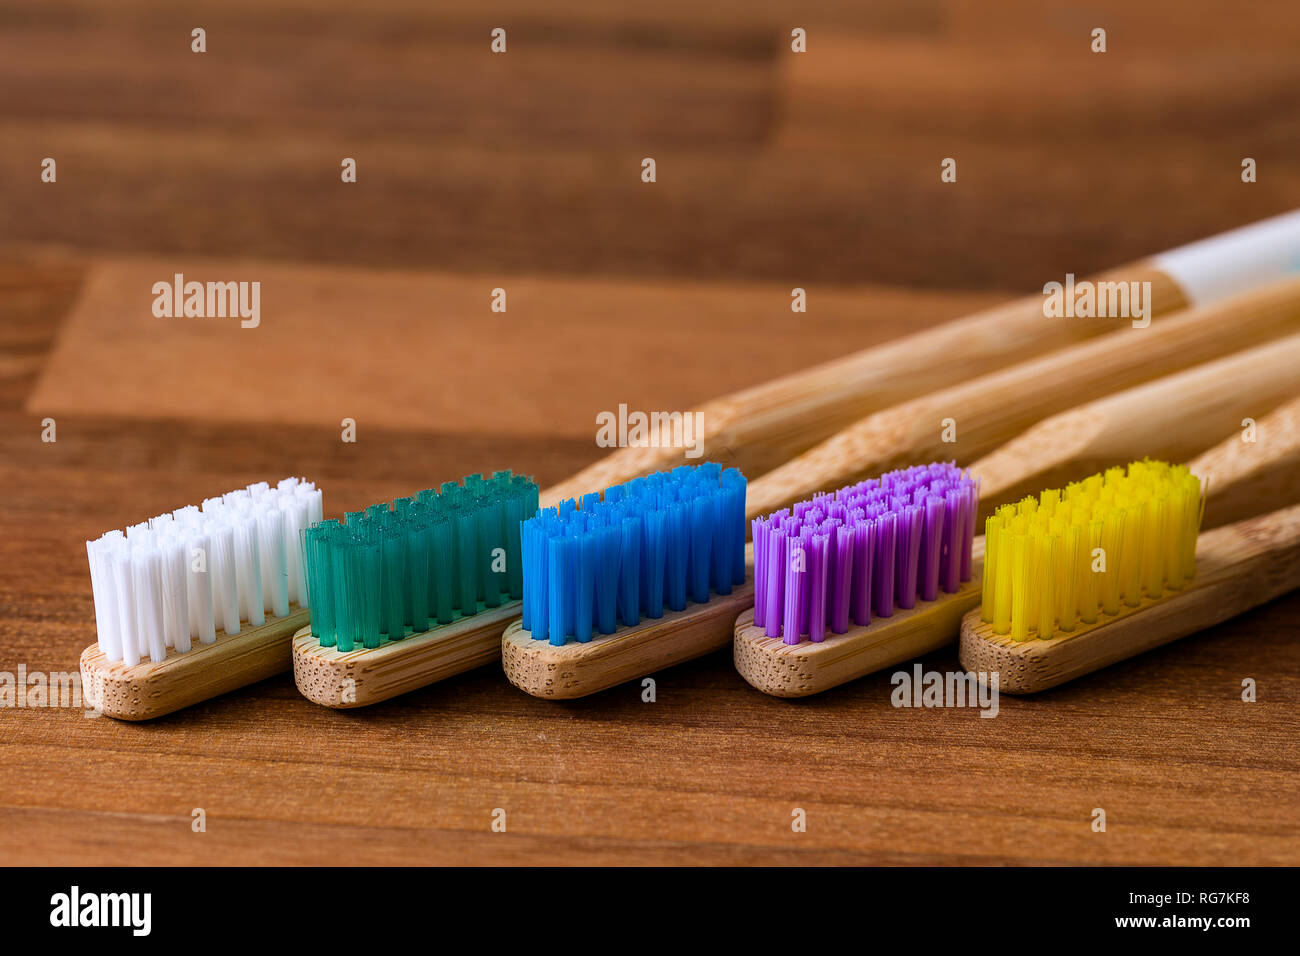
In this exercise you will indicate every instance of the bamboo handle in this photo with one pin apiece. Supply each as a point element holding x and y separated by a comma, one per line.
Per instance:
<point>575,670</point>
<point>1238,567</point>
<point>798,670</point>
<point>367,675</point>
<point>995,408</point>
<point>760,427</point>
<point>1239,474</point>
<point>1172,418</point>
<point>151,689</point>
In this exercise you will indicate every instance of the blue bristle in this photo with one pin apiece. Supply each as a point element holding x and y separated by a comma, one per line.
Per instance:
<point>556,578</point>
<point>701,516</point>
<point>629,571</point>
<point>735,522</point>
<point>669,538</point>
<point>653,551</point>
<point>675,569</point>
<point>720,549</point>
<point>607,565</point>
<point>584,592</point>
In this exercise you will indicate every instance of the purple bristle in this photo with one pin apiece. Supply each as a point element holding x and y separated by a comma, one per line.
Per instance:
<point>829,563</point>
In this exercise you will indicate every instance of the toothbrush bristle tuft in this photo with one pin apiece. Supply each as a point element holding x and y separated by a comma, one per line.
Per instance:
<point>1066,556</point>
<point>653,542</point>
<point>387,572</point>
<point>835,559</point>
<point>183,576</point>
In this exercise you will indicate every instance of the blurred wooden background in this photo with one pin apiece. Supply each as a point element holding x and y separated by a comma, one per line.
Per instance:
<point>775,170</point>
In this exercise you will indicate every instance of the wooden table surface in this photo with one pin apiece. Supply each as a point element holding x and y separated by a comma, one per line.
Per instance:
<point>521,171</point>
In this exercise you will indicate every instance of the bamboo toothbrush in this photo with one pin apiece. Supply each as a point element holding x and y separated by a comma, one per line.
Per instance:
<point>1254,379</point>
<point>990,410</point>
<point>1236,480</point>
<point>618,586</point>
<point>198,602</point>
<point>764,426</point>
<point>850,582</point>
<point>1247,468</point>
<point>1174,417</point>
<point>1051,613</point>
<point>406,596</point>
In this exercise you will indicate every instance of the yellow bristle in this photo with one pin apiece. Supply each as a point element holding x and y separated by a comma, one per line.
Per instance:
<point>1112,544</point>
<point>1068,596</point>
<point>1045,568</point>
<point>1130,556</point>
<point>1002,583</point>
<point>1020,585</point>
<point>1153,564</point>
<point>992,528</point>
<point>1040,553</point>
<point>1089,591</point>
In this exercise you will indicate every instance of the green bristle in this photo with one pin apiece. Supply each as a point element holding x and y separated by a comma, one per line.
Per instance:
<point>441,583</point>
<point>370,605</point>
<point>406,521</point>
<point>467,578</point>
<point>426,560</point>
<point>317,551</point>
<point>490,538</point>
<point>393,613</point>
<point>340,570</point>
<point>417,570</point>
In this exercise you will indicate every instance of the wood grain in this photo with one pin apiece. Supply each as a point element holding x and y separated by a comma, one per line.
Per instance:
<point>996,407</point>
<point>770,422</point>
<point>798,670</point>
<point>367,675</point>
<point>573,669</point>
<point>1239,474</point>
<point>114,357</point>
<point>1172,418</point>
<point>775,170</point>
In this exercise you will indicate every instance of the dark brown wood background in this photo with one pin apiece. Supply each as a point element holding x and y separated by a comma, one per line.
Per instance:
<point>818,170</point>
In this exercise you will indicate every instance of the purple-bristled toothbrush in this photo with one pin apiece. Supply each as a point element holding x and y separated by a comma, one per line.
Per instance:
<point>828,563</point>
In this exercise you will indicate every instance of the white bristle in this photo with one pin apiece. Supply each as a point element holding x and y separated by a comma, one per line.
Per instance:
<point>148,603</point>
<point>191,573</point>
<point>101,582</point>
<point>275,566</point>
<point>124,597</point>
<point>295,513</point>
<point>202,620</point>
<point>225,590</point>
<point>176,599</point>
<point>249,572</point>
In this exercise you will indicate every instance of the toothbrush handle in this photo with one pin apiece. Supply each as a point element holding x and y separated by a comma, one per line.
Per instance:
<point>1240,474</point>
<point>1173,418</point>
<point>1238,567</point>
<point>984,413</point>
